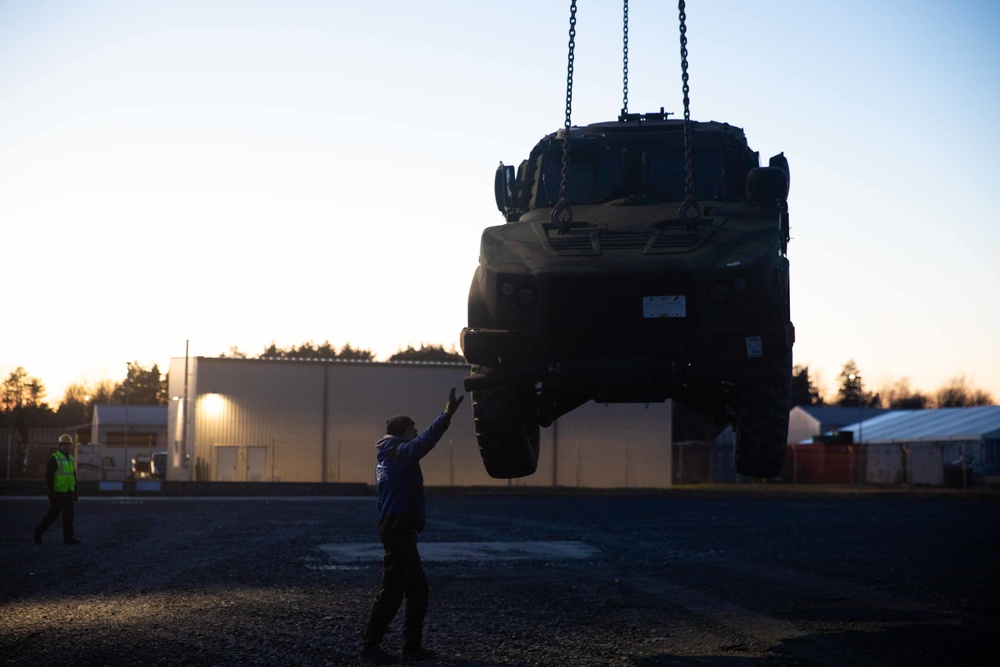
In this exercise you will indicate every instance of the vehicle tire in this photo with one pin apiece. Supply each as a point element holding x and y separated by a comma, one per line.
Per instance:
<point>761,430</point>
<point>506,429</point>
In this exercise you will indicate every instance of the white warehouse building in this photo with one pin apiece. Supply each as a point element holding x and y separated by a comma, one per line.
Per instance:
<point>266,420</point>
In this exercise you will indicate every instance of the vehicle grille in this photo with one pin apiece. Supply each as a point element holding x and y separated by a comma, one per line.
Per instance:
<point>609,240</point>
<point>572,244</point>
<point>672,238</point>
<point>675,241</point>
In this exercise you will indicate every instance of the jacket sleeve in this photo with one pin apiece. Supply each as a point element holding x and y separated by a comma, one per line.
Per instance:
<point>416,449</point>
<point>50,474</point>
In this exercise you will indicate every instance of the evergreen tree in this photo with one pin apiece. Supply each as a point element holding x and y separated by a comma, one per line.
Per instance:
<point>141,387</point>
<point>804,391</point>
<point>427,353</point>
<point>851,392</point>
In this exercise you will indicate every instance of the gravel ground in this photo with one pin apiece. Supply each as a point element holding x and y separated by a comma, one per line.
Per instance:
<point>716,578</point>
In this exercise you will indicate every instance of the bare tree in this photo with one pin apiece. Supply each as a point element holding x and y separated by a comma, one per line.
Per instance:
<point>899,395</point>
<point>76,406</point>
<point>102,391</point>
<point>959,393</point>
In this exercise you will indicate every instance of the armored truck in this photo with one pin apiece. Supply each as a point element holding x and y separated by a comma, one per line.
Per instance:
<point>661,274</point>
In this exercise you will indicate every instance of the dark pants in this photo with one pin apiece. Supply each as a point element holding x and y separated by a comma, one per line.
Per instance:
<point>59,503</point>
<point>402,577</point>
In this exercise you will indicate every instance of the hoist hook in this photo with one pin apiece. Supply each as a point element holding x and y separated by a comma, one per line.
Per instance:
<point>562,215</point>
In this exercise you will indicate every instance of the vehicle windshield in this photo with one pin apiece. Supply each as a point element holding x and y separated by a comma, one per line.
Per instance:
<point>597,173</point>
<point>664,175</point>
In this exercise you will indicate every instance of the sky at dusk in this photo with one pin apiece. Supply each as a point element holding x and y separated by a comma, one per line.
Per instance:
<point>233,173</point>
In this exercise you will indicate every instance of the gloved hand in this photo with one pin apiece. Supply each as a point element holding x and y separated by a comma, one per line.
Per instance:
<point>453,402</point>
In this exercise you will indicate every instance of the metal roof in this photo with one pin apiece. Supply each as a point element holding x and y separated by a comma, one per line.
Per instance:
<point>835,416</point>
<point>138,415</point>
<point>923,425</point>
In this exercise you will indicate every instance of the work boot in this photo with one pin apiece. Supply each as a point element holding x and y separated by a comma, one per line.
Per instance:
<point>376,656</point>
<point>71,540</point>
<point>38,537</point>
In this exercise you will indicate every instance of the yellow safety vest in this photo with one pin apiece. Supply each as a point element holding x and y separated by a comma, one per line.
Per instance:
<point>64,479</point>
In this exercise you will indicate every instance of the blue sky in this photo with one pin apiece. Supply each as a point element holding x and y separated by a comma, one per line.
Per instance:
<point>233,173</point>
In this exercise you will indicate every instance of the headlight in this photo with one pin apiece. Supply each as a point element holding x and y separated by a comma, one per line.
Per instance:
<point>526,297</point>
<point>723,290</point>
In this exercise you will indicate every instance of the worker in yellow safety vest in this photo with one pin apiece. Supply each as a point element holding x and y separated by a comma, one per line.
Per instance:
<point>60,478</point>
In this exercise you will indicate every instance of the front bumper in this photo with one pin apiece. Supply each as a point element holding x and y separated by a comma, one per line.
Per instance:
<point>519,356</point>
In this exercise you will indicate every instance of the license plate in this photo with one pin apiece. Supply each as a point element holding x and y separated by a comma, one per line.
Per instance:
<point>664,306</point>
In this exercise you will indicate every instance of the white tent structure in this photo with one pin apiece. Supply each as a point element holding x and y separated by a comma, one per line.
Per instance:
<point>807,421</point>
<point>931,447</point>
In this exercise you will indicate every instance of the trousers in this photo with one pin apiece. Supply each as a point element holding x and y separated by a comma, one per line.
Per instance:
<point>402,578</point>
<point>59,503</point>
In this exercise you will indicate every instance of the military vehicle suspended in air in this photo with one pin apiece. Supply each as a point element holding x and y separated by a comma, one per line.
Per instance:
<point>641,259</point>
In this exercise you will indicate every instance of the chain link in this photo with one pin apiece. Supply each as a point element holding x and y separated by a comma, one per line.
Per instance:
<point>624,60</point>
<point>690,200</point>
<point>562,214</point>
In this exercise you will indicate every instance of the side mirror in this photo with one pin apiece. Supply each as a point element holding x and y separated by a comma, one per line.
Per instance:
<point>767,187</point>
<point>503,187</point>
<point>781,162</point>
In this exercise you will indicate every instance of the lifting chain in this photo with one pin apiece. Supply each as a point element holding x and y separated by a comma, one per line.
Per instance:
<point>561,214</point>
<point>624,60</point>
<point>690,200</point>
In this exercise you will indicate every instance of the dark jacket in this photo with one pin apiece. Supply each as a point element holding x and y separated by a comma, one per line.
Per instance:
<point>399,479</point>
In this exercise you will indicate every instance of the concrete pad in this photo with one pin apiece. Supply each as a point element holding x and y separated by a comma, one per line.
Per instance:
<point>469,551</point>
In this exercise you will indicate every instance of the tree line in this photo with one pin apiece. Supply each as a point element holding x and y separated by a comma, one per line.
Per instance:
<point>24,403</point>
<point>23,400</point>
<point>325,350</point>
<point>957,392</point>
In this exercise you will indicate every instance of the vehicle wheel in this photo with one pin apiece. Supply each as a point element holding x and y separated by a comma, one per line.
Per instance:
<point>507,429</point>
<point>762,428</point>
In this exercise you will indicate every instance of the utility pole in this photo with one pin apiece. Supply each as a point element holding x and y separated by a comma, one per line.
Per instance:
<point>856,377</point>
<point>125,386</point>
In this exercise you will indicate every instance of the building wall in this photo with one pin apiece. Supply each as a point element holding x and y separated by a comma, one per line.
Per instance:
<point>821,463</point>
<point>919,462</point>
<point>278,410</point>
<point>801,425</point>
<point>610,446</point>
<point>360,397</point>
<point>318,421</point>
